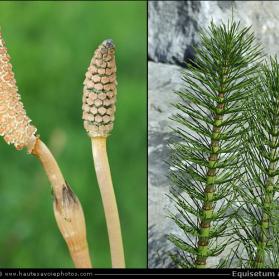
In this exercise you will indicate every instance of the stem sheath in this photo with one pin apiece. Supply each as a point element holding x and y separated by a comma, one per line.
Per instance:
<point>207,208</point>
<point>67,209</point>
<point>267,202</point>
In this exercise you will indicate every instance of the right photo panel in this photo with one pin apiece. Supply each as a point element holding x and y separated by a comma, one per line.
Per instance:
<point>213,134</point>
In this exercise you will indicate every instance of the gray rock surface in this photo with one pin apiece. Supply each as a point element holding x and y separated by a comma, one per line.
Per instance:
<point>173,25</point>
<point>162,80</point>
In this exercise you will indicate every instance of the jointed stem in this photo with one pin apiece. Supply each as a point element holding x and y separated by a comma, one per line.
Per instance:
<point>109,202</point>
<point>267,201</point>
<point>67,209</point>
<point>207,208</point>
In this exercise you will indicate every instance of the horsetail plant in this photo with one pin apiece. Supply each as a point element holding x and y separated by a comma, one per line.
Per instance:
<point>99,97</point>
<point>206,160</point>
<point>16,129</point>
<point>257,221</point>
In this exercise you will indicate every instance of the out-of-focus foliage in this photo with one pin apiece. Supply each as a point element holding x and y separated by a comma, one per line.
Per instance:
<point>51,45</point>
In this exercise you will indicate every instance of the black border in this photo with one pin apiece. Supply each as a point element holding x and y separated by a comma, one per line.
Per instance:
<point>82,273</point>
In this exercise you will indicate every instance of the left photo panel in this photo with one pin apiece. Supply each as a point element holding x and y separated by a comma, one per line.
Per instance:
<point>73,126</point>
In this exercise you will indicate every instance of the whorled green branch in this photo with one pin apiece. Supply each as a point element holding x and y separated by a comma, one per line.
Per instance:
<point>258,218</point>
<point>206,160</point>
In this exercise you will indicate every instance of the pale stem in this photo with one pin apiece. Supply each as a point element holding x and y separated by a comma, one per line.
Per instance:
<point>102,169</point>
<point>67,209</point>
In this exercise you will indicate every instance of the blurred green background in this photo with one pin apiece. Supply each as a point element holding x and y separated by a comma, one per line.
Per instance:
<point>51,45</point>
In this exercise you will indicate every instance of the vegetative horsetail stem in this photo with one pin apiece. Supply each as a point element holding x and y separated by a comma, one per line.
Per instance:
<point>267,201</point>
<point>207,208</point>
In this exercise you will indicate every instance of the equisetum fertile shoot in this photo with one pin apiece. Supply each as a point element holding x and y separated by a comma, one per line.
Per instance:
<point>99,97</point>
<point>257,222</point>
<point>206,160</point>
<point>16,129</point>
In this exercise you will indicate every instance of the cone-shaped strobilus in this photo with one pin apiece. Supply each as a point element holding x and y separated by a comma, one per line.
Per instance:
<point>257,230</point>
<point>16,129</point>
<point>206,159</point>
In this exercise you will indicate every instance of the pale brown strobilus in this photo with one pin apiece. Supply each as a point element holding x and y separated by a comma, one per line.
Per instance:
<point>99,97</point>
<point>16,129</point>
